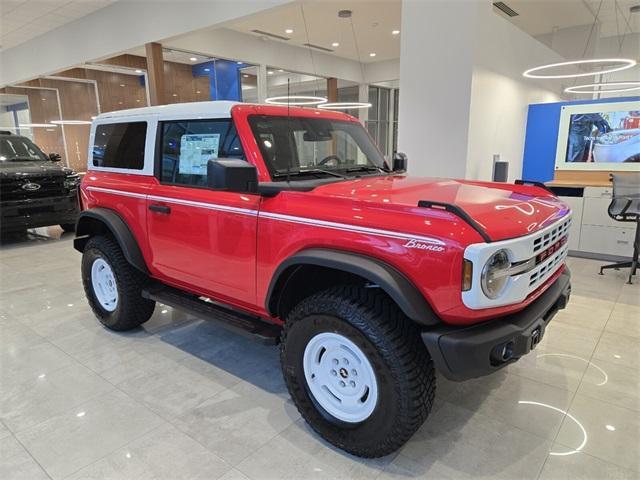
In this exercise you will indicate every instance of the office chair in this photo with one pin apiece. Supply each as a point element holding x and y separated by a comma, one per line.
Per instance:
<point>625,207</point>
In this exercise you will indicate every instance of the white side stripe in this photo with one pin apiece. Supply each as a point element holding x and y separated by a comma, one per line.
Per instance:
<point>117,192</point>
<point>349,228</point>
<point>276,216</point>
<point>209,206</point>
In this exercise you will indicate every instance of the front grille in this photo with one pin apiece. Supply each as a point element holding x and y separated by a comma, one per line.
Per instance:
<point>552,236</point>
<point>546,268</point>
<point>50,186</point>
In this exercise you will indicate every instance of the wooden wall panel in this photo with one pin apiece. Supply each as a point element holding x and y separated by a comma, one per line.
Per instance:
<point>77,102</point>
<point>182,86</point>
<point>118,91</point>
<point>43,106</point>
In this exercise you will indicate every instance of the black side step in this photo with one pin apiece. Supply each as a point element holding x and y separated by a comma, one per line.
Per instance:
<point>247,325</point>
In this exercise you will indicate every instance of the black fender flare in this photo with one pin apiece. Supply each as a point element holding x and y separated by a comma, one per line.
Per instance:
<point>102,220</point>
<point>403,292</point>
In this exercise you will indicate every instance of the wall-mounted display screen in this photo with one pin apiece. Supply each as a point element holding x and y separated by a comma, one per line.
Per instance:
<point>599,136</point>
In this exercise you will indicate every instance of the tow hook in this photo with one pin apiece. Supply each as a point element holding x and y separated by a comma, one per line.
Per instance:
<point>535,337</point>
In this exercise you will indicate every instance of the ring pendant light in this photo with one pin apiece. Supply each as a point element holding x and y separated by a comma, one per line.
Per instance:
<point>296,100</point>
<point>71,122</point>
<point>344,105</point>
<point>624,63</point>
<point>624,87</point>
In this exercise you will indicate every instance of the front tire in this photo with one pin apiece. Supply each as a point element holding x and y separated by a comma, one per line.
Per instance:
<point>384,381</point>
<point>68,227</point>
<point>113,287</point>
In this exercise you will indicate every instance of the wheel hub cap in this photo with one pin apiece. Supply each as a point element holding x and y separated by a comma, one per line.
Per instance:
<point>340,377</point>
<point>104,284</point>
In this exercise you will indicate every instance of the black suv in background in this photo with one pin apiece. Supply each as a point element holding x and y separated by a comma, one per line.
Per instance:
<point>35,191</point>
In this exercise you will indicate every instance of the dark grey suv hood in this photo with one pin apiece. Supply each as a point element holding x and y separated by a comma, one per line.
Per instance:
<point>33,169</point>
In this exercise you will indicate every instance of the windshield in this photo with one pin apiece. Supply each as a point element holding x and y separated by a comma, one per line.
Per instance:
<point>19,149</point>
<point>302,147</point>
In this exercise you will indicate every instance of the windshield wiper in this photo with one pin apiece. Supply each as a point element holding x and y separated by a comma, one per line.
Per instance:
<point>311,171</point>
<point>365,168</point>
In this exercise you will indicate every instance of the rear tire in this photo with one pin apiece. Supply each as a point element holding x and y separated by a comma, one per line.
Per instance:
<point>368,325</point>
<point>113,287</point>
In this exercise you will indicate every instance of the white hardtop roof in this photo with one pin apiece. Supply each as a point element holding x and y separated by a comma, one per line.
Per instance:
<point>216,108</point>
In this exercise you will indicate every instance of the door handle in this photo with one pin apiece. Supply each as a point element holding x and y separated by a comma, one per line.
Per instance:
<point>160,209</point>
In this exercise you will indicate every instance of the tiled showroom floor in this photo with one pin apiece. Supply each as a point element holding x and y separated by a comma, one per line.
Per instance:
<point>181,398</point>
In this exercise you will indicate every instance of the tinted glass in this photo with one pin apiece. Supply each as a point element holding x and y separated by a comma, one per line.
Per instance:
<point>120,145</point>
<point>19,149</point>
<point>188,145</point>
<point>301,144</point>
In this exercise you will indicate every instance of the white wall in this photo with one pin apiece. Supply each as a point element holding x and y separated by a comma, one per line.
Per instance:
<point>465,99</point>
<point>436,66</point>
<point>121,26</point>
<point>500,95</point>
<point>497,122</point>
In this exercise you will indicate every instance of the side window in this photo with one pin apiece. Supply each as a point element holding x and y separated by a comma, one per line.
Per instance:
<point>120,145</point>
<point>188,145</point>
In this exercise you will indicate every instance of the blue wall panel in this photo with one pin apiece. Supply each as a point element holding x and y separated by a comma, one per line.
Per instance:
<point>543,122</point>
<point>224,78</point>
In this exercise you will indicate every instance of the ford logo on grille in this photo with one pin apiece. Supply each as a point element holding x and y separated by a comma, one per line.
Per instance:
<point>31,187</point>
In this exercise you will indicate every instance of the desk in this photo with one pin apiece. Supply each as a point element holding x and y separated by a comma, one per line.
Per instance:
<point>593,233</point>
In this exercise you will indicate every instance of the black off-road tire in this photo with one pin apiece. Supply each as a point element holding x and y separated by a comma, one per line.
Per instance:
<point>68,227</point>
<point>132,309</point>
<point>391,342</point>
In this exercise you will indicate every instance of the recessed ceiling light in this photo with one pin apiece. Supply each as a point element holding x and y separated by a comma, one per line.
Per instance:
<point>280,70</point>
<point>289,30</point>
<point>395,32</point>
<point>372,54</point>
<point>270,72</point>
<point>175,95</point>
<point>122,85</point>
<point>207,69</point>
<point>138,70</point>
<point>193,59</point>
<point>245,75</point>
<point>335,44</point>
<point>239,63</point>
<point>197,91</point>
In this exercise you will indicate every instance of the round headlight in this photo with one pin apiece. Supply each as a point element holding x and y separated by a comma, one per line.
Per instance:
<point>494,277</point>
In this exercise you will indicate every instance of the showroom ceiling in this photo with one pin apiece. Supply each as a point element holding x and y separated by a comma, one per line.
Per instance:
<point>373,23</point>
<point>544,16</point>
<point>23,20</point>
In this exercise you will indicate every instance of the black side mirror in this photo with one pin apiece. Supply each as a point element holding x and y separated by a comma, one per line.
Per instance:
<point>232,175</point>
<point>400,161</point>
<point>55,157</point>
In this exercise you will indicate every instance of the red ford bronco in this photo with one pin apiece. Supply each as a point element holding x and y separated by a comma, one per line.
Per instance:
<point>290,226</point>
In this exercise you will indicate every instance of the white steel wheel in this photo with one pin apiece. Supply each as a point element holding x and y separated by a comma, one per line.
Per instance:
<point>340,377</point>
<point>104,284</point>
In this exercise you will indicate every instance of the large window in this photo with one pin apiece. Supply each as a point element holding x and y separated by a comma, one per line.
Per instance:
<point>317,147</point>
<point>120,145</point>
<point>188,145</point>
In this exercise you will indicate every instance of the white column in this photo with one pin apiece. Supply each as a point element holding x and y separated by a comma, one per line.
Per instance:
<point>262,83</point>
<point>436,67</point>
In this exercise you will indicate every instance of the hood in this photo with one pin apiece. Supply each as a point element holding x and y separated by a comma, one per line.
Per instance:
<point>502,210</point>
<point>32,169</point>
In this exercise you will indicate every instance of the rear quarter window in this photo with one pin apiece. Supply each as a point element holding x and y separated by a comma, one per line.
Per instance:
<point>120,145</point>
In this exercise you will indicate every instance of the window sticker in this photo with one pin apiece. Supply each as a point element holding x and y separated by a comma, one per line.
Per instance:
<point>195,151</point>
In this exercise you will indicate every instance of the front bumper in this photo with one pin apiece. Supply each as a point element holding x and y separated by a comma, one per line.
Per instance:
<point>461,353</point>
<point>40,212</point>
